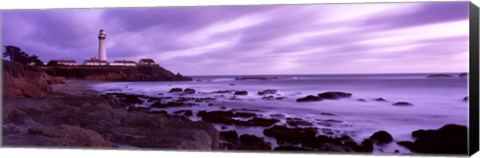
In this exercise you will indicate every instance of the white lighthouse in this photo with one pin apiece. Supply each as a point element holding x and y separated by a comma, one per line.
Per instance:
<point>102,48</point>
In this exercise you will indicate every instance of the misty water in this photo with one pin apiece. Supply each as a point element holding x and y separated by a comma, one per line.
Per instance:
<point>436,102</point>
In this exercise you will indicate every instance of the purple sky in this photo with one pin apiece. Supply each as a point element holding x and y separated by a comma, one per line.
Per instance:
<point>281,39</point>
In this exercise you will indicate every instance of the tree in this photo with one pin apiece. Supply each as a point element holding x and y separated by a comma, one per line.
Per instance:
<point>17,55</point>
<point>52,63</point>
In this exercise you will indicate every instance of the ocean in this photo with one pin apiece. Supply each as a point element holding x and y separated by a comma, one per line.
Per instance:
<point>436,101</point>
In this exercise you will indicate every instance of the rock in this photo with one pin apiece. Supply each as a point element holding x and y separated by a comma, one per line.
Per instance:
<point>298,122</point>
<point>334,95</point>
<point>439,76</point>
<point>175,90</point>
<point>232,84</point>
<point>130,98</point>
<point>279,98</point>
<point>251,142</point>
<point>449,139</point>
<point>256,78</point>
<point>267,91</point>
<point>463,75</point>
<point>309,98</point>
<point>291,135</point>
<point>268,97</point>
<point>263,122</point>
<point>223,91</point>
<point>241,93</point>
<point>244,114</point>
<point>380,99</point>
<point>278,116</point>
<point>327,114</point>
<point>361,100</point>
<point>230,136</point>
<point>465,98</point>
<point>189,91</point>
<point>291,148</point>
<point>184,112</point>
<point>159,104</point>
<point>72,136</point>
<point>402,104</point>
<point>381,137</point>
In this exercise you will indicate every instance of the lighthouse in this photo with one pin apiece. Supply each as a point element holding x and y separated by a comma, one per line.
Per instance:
<point>102,48</point>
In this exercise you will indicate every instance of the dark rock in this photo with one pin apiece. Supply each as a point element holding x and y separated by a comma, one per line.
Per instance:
<point>184,112</point>
<point>465,98</point>
<point>175,90</point>
<point>72,136</point>
<point>449,139</point>
<point>268,97</point>
<point>309,99</point>
<point>223,91</point>
<point>327,114</point>
<point>291,135</point>
<point>263,122</point>
<point>278,116</point>
<point>189,91</point>
<point>267,91</point>
<point>381,137</point>
<point>244,114</point>
<point>223,107</point>
<point>291,148</point>
<point>439,76</point>
<point>279,98</point>
<point>232,84</point>
<point>159,104</point>
<point>230,136</point>
<point>463,75</point>
<point>402,103</point>
<point>241,93</point>
<point>334,95</point>
<point>380,99</point>
<point>298,122</point>
<point>251,142</point>
<point>362,100</point>
<point>210,104</point>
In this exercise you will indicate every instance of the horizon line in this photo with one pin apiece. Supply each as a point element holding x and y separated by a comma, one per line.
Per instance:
<point>399,73</point>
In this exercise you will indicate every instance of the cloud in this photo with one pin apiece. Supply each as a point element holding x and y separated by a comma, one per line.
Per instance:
<point>262,39</point>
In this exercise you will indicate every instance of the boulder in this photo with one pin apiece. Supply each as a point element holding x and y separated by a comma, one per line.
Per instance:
<point>465,98</point>
<point>361,100</point>
<point>298,122</point>
<point>309,98</point>
<point>402,103</point>
<point>267,91</point>
<point>72,136</point>
<point>334,95</point>
<point>381,137</point>
<point>380,99</point>
<point>230,136</point>
<point>291,135</point>
<point>449,139</point>
<point>241,93</point>
<point>189,91</point>
<point>251,142</point>
<point>175,90</point>
<point>263,122</point>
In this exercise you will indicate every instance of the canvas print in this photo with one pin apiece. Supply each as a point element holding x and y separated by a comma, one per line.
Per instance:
<point>365,78</point>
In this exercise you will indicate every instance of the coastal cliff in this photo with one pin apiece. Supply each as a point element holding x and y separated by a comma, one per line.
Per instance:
<point>22,81</point>
<point>115,73</point>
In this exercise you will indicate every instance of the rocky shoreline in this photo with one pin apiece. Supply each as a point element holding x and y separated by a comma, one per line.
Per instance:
<point>72,115</point>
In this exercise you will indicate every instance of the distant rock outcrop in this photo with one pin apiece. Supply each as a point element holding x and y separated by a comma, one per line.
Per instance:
<point>439,76</point>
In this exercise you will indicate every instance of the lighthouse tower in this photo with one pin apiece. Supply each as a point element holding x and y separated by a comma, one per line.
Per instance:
<point>102,48</point>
